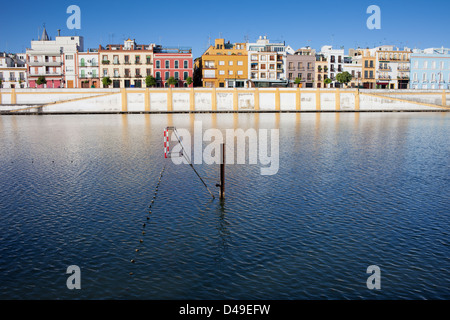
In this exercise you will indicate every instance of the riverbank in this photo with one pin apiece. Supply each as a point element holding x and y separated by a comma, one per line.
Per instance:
<point>220,100</point>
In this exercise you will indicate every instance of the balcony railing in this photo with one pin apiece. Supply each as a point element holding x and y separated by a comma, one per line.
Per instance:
<point>105,62</point>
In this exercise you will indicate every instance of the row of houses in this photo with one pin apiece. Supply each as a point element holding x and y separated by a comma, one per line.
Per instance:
<point>64,63</point>
<point>266,64</point>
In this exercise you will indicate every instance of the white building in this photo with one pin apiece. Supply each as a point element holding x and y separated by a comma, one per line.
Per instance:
<point>13,71</point>
<point>353,65</point>
<point>267,62</point>
<point>392,66</point>
<point>335,58</point>
<point>88,69</point>
<point>54,60</point>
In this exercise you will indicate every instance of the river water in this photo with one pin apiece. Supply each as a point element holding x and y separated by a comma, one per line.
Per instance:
<point>352,190</point>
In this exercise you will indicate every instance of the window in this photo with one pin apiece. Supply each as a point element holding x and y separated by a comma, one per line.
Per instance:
<point>137,59</point>
<point>241,63</point>
<point>441,65</point>
<point>176,64</point>
<point>371,74</point>
<point>221,63</point>
<point>167,64</point>
<point>300,65</point>
<point>149,72</point>
<point>149,59</point>
<point>158,64</point>
<point>209,64</point>
<point>166,75</point>
<point>230,63</point>
<point>425,65</point>
<point>371,63</point>
<point>433,65</point>
<point>263,58</point>
<point>68,57</point>
<point>263,75</point>
<point>240,73</point>
<point>176,75</point>
<point>230,72</point>
<point>127,59</point>
<point>416,64</point>
<point>158,75</point>
<point>185,75</point>
<point>424,77</point>
<point>263,66</point>
<point>221,72</point>
<point>254,57</point>
<point>138,72</point>
<point>105,72</point>
<point>186,64</point>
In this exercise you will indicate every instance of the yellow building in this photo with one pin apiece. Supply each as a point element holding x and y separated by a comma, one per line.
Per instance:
<point>321,73</point>
<point>369,60</point>
<point>225,65</point>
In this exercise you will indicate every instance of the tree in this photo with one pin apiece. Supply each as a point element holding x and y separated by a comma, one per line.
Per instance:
<point>150,81</point>
<point>189,81</point>
<point>106,82</point>
<point>344,77</point>
<point>298,80</point>
<point>327,81</point>
<point>172,81</point>
<point>41,80</point>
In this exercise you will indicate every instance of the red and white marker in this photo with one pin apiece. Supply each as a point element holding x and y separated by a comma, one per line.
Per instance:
<point>166,143</point>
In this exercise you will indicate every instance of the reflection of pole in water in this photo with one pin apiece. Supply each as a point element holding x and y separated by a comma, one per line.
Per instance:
<point>222,228</point>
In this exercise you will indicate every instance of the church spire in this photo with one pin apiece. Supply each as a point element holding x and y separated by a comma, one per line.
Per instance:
<point>44,36</point>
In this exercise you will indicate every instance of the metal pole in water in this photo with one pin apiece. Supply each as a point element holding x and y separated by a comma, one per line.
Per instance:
<point>222,173</point>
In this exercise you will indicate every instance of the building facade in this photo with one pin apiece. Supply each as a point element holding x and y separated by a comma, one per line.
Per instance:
<point>430,69</point>
<point>173,62</point>
<point>88,69</point>
<point>335,60</point>
<point>353,65</point>
<point>267,63</point>
<point>55,60</point>
<point>126,65</point>
<point>301,66</point>
<point>393,67</point>
<point>225,65</point>
<point>13,71</point>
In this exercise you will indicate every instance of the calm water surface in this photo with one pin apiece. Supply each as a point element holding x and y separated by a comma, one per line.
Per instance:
<point>353,190</point>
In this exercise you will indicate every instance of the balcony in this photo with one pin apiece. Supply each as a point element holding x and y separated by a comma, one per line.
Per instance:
<point>138,76</point>
<point>92,64</point>
<point>127,75</point>
<point>384,78</point>
<point>116,62</point>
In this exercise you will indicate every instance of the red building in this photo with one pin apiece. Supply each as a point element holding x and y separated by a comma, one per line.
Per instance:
<point>172,62</point>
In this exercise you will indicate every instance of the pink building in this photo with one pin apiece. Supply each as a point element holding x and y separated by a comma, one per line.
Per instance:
<point>172,62</point>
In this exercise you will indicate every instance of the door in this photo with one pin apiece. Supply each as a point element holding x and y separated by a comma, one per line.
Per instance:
<point>69,83</point>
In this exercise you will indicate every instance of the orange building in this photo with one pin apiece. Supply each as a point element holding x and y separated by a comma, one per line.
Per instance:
<point>225,65</point>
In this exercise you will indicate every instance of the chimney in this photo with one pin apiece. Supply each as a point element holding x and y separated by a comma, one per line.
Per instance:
<point>59,32</point>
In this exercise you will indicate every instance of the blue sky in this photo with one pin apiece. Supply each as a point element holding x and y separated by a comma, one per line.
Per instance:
<point>420,24</point>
